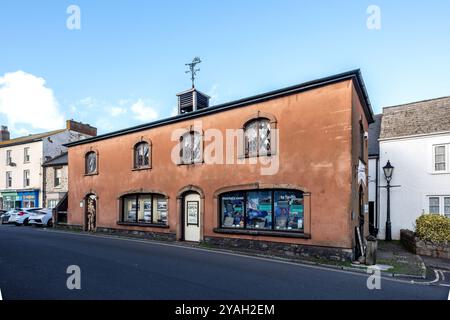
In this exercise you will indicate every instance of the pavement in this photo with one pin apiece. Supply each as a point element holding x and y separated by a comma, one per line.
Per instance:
<point>402,261</point>
<point>34,264</point>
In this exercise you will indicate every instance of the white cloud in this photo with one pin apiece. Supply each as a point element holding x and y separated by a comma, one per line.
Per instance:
<point>143,112</point>
<point>117,111</point>
<point>25,99</point>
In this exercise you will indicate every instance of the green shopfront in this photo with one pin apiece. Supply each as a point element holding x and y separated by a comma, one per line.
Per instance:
<point>20,199</point>
<point>10,200</point>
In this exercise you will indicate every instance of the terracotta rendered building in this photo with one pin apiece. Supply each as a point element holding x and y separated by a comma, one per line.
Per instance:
<point>283,171</point>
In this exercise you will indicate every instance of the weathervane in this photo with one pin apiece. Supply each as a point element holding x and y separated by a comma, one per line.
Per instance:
<point>192,69</point>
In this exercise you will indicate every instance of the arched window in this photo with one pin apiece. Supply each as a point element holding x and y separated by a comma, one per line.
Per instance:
<point>257,138</point>
<point>146,208</point>
<point>141,155</point>
<point>191,148</point>
<point>91,162</point>
<point>265,209</point>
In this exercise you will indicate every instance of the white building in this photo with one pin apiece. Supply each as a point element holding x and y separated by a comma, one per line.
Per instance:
<point>415,138</point>
<point>21,159</point>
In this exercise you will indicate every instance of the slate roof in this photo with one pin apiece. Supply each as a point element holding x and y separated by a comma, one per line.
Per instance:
<point>29,138</point>
<point>374,135</point>
<point>423,117</point>
<point>354,75</point>
<point>61,160</point>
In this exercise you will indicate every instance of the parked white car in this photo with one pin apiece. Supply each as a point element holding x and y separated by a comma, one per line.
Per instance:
<point>22,216</point>
<point>4,218</point>
<point>42,217</point>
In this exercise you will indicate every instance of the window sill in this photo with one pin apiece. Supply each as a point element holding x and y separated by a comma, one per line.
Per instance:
<point>269,155</point>
<point>270,233</point>
<point>139,224</point>
<point>190,163</point>
<point>91,174</point>
<point>439,172</point>
<point>141,169</point>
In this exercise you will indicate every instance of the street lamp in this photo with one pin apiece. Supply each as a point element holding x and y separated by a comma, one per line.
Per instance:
<point>388,170</point>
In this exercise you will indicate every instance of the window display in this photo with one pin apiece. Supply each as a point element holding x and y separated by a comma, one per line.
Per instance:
<point>277,210</point>
<point>288,210</point>
<point>259,210</point>
<point>144,208</point>
<point>233,210</point>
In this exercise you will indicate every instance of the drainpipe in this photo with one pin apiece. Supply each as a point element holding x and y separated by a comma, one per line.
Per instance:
<point>377,197</point>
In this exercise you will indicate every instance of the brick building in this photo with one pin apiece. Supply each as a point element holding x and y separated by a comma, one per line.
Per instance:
<point>295,179</point>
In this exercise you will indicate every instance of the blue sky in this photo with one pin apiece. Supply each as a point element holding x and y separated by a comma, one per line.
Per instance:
<point>126,63</point>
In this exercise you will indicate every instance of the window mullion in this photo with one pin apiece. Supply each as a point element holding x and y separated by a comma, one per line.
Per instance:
<point>137,208</point>
<point>151,209</point>
<point>273,210</point>
<point>245,210</point>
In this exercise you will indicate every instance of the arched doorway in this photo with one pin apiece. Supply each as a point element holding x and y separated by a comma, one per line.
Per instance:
<point>90,213</point>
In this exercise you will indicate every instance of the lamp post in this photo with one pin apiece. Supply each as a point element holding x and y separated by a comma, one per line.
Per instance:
<point>388,170</point>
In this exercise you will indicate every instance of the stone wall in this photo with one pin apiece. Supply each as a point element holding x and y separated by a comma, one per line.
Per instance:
<point>281,249</point>
<point>424,248</point>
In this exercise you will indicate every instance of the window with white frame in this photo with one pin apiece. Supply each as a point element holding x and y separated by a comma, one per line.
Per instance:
<point>58,177</point>
<point>440,158</point>
<point>8,179</point>
<point>447,206</point>
<point>26,178</point>
<point>8,157</point>
<point>434,205</point>
<point>439,205</point>
<point>26,155</point>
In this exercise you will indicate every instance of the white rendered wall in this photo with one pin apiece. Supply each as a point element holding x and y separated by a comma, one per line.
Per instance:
<point>413,162</point>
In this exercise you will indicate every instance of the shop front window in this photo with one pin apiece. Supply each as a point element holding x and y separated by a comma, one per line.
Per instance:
<point>276,210</point>
<point>259,210</point>
<point>288,210</point>
<point>233,206</point>
<point>52,203</point>
<point>144,208</point>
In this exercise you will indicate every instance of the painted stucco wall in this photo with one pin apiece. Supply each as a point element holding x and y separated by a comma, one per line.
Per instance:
<point>17,155</point>
<point>413,162</point>
<point>373,179</point>
<point>315,140</point>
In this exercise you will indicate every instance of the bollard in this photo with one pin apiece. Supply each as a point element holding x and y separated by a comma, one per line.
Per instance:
<point>371,252</point>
